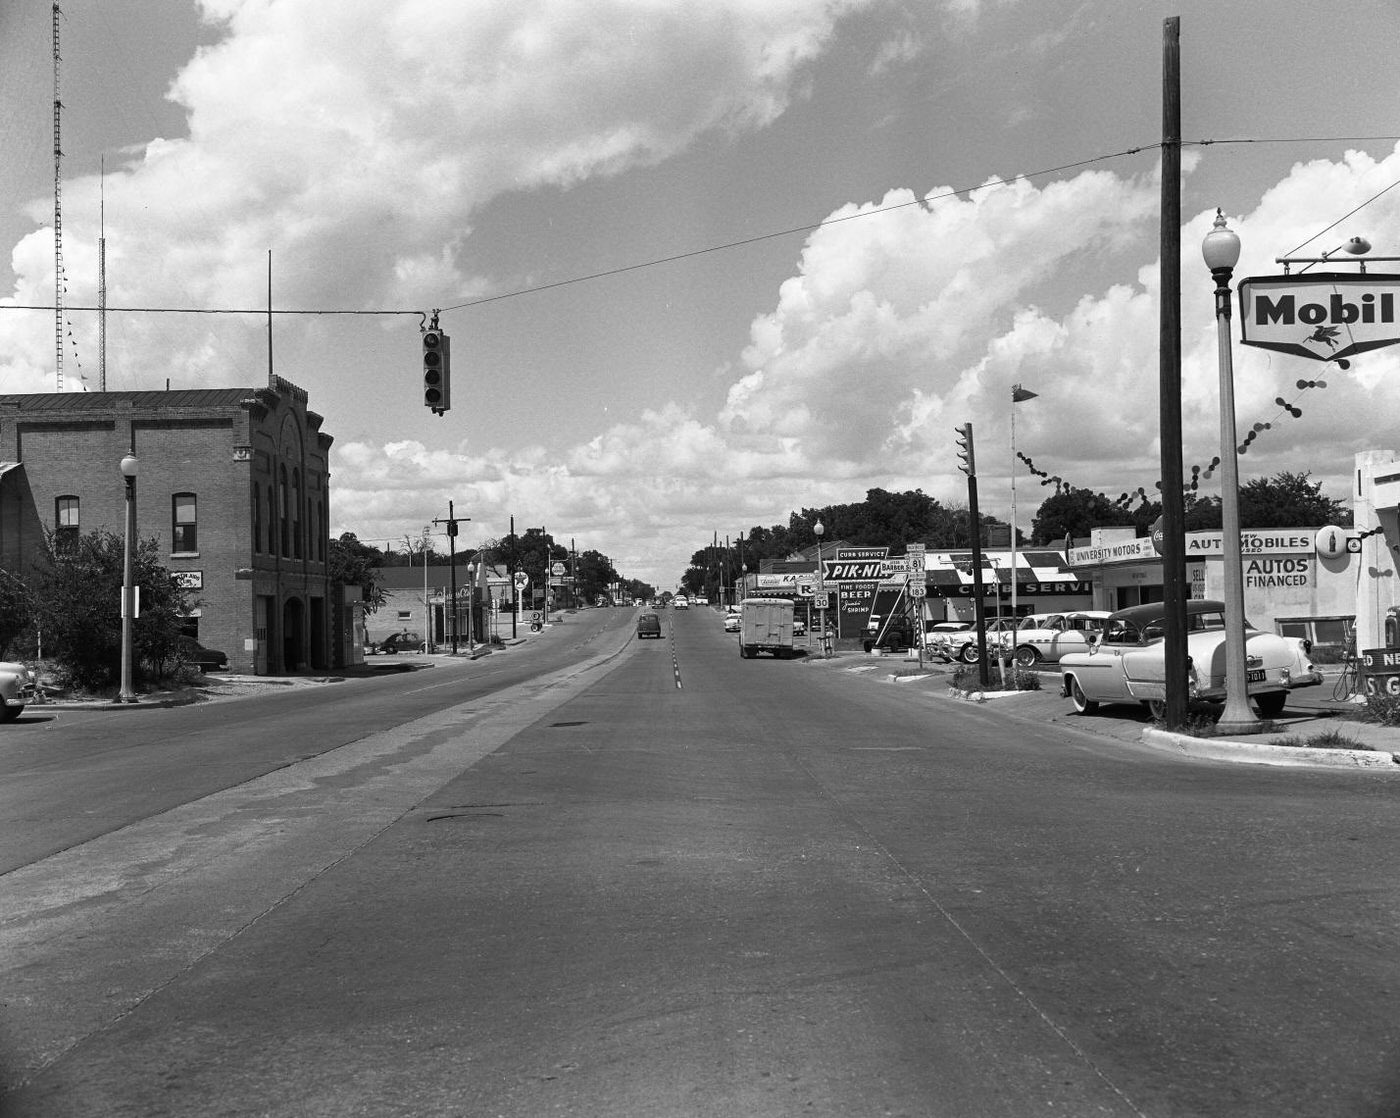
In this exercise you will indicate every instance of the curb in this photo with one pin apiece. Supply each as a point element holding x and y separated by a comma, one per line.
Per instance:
<point>1258,753</point>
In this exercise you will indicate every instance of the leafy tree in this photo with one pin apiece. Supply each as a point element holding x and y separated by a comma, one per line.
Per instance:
<point>1073,512</point>
<point>352,563</point>
<point>15,610</point>
<point>77,604</point>
<point>1289,500</point>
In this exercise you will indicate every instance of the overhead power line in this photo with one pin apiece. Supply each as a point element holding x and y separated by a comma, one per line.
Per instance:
<point>757,239</point>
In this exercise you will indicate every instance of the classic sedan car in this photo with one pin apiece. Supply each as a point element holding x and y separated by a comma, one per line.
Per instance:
<point>197,656</point>
<point>16,689</point>
<point>732,623</point>
<point>1128,663</point>
<point>1046,637</point>
<point>962,645</point>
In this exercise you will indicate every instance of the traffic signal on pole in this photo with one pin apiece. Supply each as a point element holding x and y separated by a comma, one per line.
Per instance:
<point>969,465</point>
<point>437,370</point>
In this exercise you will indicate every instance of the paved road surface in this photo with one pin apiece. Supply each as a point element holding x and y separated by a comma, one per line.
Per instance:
<point>678,883</point>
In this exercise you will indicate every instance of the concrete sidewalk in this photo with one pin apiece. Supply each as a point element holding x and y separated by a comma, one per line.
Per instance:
<point>1311,712</point>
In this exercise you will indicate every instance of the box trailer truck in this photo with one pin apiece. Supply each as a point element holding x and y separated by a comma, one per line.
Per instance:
<point>765,625</point>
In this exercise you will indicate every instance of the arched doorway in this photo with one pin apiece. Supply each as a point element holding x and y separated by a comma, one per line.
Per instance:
<point>293,634</point>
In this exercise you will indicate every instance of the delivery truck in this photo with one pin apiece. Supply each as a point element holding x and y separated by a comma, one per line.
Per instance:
<point>765,625</point>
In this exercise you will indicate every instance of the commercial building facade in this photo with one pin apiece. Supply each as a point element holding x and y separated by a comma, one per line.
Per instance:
<point>233,484</point>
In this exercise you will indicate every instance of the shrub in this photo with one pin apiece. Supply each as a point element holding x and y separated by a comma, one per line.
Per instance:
<point>968,677</point>
<point>1384,710</point>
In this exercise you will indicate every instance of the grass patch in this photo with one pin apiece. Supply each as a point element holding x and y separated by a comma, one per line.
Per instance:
<point>1328,739</point>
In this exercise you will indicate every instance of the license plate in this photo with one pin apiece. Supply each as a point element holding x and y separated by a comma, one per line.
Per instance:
<point>1256,676</point>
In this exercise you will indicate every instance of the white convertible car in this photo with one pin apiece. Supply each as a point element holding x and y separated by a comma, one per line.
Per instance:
<point>1127,665</point>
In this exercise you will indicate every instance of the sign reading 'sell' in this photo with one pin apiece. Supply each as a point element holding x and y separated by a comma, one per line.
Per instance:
<point>1326,317</point>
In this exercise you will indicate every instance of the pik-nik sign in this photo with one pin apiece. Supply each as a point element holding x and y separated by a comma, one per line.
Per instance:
<point>1325,317</point>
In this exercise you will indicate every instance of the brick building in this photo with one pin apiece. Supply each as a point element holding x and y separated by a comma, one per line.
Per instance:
<point>233,484</point>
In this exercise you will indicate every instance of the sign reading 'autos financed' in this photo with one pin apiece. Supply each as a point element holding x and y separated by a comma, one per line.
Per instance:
<point>1324,317</point>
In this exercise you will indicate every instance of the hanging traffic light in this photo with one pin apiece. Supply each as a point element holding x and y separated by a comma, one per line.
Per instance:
<point>969,465</point>
<point>437,370</point>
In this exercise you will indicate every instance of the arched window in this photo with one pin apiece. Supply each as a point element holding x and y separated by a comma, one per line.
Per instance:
<point>283,524</point>
<point>297,526</point>
<point>271,523</point>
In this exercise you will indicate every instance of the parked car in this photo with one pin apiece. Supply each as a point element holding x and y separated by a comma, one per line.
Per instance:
<point>16,689</point>
<point>939,633</point>
<point>1128,663</point>
<point>1046,637</point>
<point>732,623</point>
<point>648,625</point>
<point>892,635</point>
<point>962,645</point>
<point>197,656</point>
<point>403,641</point>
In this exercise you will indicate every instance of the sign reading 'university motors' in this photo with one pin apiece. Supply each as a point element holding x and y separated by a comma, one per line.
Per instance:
<point>1323,317</point>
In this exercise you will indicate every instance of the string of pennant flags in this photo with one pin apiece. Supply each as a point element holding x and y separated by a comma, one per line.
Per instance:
<point>1198,473</point>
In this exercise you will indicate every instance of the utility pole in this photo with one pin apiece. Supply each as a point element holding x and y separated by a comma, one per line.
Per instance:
<point>452,521</point>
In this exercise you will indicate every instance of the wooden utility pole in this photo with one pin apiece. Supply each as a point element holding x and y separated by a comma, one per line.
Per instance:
<point>1173,543</point>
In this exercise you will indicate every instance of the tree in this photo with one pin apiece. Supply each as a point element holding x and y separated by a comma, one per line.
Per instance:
<point>1073,512</point>
<point>1289,500</point>
<point>15,610</point>
<point>352,563</point>
<point>77,588</point>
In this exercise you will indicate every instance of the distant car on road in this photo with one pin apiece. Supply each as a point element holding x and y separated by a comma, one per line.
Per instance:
<point>732,623</point>
<point>648,625</point>
<point>1128,664</point>
<point>681,603</point>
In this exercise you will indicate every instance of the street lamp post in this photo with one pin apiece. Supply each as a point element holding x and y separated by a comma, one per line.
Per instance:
<point>471,609</point>
<point>819,530</point>
<point>127,694</point>
<point>1221,249</point>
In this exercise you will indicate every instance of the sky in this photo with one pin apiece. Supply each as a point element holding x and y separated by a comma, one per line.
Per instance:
<point>702,265</point>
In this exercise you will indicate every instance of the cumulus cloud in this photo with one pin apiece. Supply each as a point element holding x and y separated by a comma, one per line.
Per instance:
<point>361,140</point>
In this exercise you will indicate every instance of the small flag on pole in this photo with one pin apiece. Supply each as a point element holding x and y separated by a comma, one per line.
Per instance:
<point>1019,394</point>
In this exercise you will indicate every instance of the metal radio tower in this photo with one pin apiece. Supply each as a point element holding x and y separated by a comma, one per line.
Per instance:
<point>57,209</point>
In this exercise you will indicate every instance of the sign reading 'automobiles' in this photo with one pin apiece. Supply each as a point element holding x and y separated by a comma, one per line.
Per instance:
<point>1322,317</point>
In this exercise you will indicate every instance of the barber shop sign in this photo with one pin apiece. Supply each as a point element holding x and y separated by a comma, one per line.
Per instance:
<point>1322,317</point>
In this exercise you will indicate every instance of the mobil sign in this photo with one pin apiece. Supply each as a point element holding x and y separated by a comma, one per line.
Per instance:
<point>1324,317</point>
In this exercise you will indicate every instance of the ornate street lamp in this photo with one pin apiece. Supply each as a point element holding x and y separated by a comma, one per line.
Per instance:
<point>1221,249</point>
<point>127,694</point>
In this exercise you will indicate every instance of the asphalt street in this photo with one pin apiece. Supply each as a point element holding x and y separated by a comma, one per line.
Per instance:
<point>656,879</point>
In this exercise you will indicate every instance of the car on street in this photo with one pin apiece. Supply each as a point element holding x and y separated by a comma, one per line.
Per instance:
<point>1046,637</point>
<point>648,625</point>
<point>681,603</point>
<point>1127,664</point>
<point>732,623</point>
<point>194,654</point>
<point>16,689</point>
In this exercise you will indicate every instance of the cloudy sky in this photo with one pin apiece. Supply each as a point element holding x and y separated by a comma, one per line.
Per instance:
<point>701,264</point>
